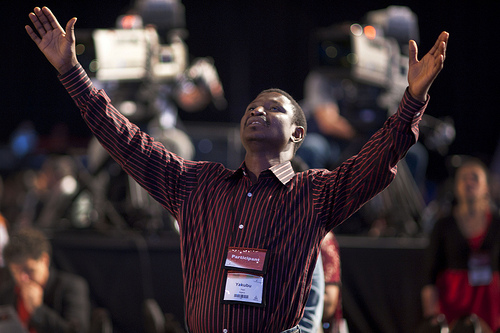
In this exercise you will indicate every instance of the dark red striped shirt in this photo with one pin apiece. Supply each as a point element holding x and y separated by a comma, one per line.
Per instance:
<point>285,213</point>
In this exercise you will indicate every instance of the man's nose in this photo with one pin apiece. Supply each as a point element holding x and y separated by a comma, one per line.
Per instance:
<point>258,111</point>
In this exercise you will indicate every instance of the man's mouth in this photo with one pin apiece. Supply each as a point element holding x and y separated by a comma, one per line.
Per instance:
<point>257,121</point>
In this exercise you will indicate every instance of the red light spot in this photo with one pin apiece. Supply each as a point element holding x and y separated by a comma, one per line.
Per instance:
<point>370,32</point>
<point>128,21</point>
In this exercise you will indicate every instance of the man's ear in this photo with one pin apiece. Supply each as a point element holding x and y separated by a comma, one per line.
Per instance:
<point>298,134</point>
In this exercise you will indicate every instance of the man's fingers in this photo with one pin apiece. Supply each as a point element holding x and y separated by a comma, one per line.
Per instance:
<point>43,20</point>
<point>51,18</point>
<point>440,44</point>
<point>33,35</point>
<point>70,27</point>
<point>444,43</point>
<point>441,49</point>
<point>413,50</point>
<point>37,24</point>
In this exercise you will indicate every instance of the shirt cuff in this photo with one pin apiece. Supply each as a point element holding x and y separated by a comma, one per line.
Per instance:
<point>76,82</point>
<point>410,109</point>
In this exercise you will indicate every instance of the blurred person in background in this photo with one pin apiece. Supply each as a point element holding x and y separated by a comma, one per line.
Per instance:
<point>46,300</point>
<point>4,238</point>
<point>463,255</point>
<point>332,309</point>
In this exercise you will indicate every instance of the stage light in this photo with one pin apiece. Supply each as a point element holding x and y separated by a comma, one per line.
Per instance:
<point>356,29</point>
<point>68,185</point>
<point>80,49</point>
<point>370,32</point>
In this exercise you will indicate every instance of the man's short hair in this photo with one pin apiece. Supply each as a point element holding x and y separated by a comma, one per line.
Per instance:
<point>26,243</point>
<point>299,117</point>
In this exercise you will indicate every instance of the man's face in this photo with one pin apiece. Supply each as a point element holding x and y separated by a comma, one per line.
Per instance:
<point>268,120</point>
<point>36,270</point>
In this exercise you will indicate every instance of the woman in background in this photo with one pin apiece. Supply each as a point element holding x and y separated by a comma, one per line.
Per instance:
<point>462,258</point>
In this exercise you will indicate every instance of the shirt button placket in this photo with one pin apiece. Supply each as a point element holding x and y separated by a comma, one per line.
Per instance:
<point>241,226</point>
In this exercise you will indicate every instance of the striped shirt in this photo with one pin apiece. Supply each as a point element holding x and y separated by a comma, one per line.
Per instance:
<point>285,213</point>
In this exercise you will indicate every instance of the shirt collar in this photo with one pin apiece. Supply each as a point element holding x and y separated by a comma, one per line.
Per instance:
<point>283,171</point>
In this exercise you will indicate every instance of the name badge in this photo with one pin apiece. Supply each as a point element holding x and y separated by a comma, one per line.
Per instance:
<point>246,259</point>
<point>480,272</point>
<point>243,287</point>
<point>246,270</point>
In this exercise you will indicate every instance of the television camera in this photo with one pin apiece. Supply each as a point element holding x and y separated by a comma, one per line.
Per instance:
<point>368,62</point>
<point>144,66</point>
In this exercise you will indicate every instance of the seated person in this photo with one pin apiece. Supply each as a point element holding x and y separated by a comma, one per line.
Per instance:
<point>45,299</point>
<point>462,259</point>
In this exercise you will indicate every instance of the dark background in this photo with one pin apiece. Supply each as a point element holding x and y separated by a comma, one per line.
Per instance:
<point>259,44</point>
